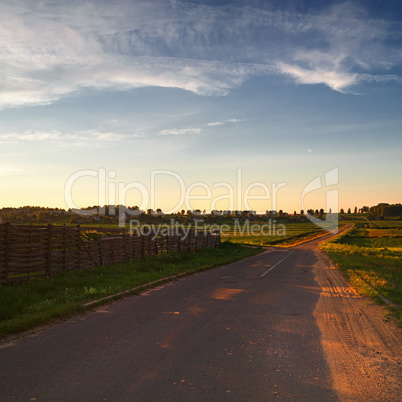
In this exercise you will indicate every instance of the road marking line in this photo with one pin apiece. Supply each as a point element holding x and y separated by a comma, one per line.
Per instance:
<point>276,264</point>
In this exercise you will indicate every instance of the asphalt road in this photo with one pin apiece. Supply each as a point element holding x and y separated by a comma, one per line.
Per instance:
<point>245,332</point>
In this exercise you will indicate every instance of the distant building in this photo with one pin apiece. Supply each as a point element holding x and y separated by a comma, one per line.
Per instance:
<point>271,213</point>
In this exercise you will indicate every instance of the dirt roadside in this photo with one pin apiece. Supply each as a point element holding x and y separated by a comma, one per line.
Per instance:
<point>363,351</point>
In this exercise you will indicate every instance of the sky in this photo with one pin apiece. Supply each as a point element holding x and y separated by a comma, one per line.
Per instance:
<point>176,105</point>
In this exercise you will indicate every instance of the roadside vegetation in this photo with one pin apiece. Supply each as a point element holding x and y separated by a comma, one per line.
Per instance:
<point>279,234</point>
<point>370,256</point>
<point>39,301</point>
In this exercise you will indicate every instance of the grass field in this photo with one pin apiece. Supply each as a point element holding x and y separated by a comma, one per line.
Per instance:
<point>370,255</point>
<point>272,233</point>
<point>24,306</point>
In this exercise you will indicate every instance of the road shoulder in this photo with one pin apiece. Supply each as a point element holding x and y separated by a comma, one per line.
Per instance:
<point>363,351</point>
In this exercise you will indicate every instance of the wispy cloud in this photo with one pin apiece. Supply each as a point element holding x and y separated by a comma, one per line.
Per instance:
<point>336,80</point>
<point>29,135</point>
<point>182,131</point>
<point>352,50</point>
<point>52,49</point>
<point>380,78</point>
<point>221,123</point>
<point>77,138</point>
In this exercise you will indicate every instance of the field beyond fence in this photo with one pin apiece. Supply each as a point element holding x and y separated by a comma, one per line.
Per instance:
<point>31,251</point>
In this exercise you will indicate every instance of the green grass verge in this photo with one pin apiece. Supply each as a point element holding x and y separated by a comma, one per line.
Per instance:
<point>278,234</point>
<point>39,301</point>
<point>270,234</point>
<point>370,257</point>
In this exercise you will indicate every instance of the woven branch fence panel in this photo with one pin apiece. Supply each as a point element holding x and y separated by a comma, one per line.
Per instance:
<point>33,251</point>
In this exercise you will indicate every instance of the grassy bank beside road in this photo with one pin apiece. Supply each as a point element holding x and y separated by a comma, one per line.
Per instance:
<point>370,256</point>
<point>24,306</point>
<point>273,233</point>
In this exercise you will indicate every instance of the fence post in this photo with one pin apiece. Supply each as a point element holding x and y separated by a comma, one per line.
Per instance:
<point>216,236</point>
<point>49,250</point>
<point>179,240</point>
<point>64,247</point>
<point>101,251</point>
<point>4,276</point>
<point>155,240</point>
<point>78,245</point>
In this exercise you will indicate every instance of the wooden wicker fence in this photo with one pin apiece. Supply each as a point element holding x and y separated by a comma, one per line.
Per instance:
<point>32,251</point>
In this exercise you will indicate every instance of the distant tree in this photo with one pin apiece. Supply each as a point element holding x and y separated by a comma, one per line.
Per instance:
<point>330,211</point>
<point>302,212</point>
<point>310,211</point>
<point>393,210</point>
<point>321,214</point>
<point>342,211</point>
<point>135,210</point>
<point>316,212</point>
<point>355,210</point>
<point>349,211</point>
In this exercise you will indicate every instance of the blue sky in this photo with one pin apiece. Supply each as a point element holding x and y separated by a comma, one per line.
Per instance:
<point>283,90</point>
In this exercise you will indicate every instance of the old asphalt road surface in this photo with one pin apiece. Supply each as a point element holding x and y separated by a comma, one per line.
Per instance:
<point>281,325</point>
